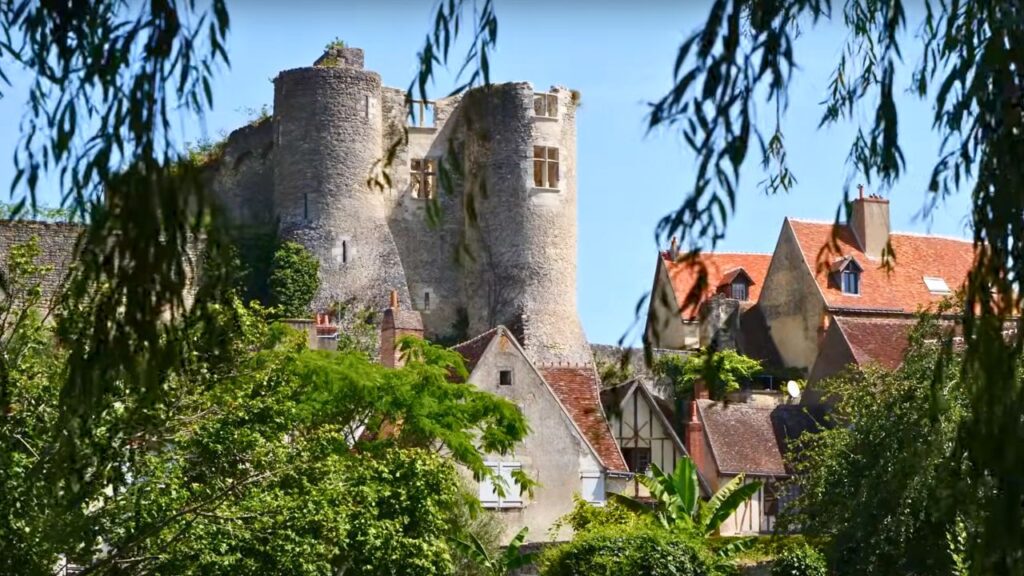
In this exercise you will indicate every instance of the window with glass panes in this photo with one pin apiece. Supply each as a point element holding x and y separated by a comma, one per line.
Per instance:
<point>545,167</point>
<point>545,105</point>
<point>739,290</point>
<point>424,177</point>
<point>851,282</point>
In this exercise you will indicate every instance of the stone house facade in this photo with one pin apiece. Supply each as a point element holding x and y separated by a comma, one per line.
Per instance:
<point>567,452</point>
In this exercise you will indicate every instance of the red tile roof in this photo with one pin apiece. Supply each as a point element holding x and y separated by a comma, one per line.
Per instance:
<point>876,340</point>
<point>720,266</point>
<point>473,349</point>
<point>902,288</point>
<point>578,390</point>
<point>742,438</point>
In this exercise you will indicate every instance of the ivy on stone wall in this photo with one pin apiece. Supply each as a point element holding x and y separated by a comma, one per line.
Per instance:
<point>294,280</point>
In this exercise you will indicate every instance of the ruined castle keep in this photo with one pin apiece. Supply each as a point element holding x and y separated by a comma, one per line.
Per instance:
<point>501,245</point>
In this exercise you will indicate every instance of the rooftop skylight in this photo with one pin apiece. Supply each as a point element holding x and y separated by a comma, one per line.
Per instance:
<point>936,285</point>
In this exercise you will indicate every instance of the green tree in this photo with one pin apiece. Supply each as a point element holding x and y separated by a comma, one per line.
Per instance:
<point>722,371</point>
<point>638,550</point>
<point>677,502</point>
<point>886,485</point>
<point>294,280</point>
<point>29,373</point>
<point>800,560</point>
<point>501,564</point>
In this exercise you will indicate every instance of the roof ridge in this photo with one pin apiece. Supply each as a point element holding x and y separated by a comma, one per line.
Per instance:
<point>936,236</point>
<point>480,336</point>
<point>729,253</point>
<point>891,233</point>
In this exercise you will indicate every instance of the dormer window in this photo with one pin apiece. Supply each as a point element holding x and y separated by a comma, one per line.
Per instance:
<point>846,275</point>
<point>851,282</point>
<point>736,284</point>
<point>739,290</point>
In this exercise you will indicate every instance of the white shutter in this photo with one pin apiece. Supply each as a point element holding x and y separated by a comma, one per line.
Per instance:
<point>592,487</point>
<point>488,493</point>
<point>513,498</point>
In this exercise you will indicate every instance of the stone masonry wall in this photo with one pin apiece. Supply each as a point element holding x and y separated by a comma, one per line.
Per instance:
<point>501,249</point>
<point>243,178</point>
<point>56,242</point>
<point>328,138</point>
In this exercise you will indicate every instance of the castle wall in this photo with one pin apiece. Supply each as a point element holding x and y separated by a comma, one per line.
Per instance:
<point>56,244</point>
<point>243,178</point>
<point>427,249</point>
<point>328,138</point>
<point>525,269</point>
<point>496,246</point>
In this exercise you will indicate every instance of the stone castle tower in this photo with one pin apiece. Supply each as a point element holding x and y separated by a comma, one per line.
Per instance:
<point>499,247</point>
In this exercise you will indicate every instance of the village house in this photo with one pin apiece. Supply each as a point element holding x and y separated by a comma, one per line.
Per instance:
<point>570,450</point>
<point>829,296</point>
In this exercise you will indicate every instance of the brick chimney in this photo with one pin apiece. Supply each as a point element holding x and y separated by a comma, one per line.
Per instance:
<point>397,323</point>
<point>694,436</point>
<point>869,220</point>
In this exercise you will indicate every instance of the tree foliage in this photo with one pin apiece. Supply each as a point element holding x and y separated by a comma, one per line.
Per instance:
<point>503,563</point>
<point>639,550</point>
<point>800,560</point>
<point>678,505</point>
<point>262,456</point>
<point>294,280</point>
<point>887,484</point>
<point>721,371</point>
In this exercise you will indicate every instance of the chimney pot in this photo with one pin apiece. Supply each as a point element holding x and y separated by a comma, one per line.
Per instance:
<point>394,299</point>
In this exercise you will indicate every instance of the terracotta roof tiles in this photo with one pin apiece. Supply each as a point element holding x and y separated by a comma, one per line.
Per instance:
<point>720,267</point>
<point>577,388</point>
<point>877,340</point>
<point>902,288</point>
<point>742,438</point>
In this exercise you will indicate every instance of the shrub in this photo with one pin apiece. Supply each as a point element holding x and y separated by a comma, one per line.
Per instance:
<point>637,551</point>
<point>294,280</point>
<point>800,560</point>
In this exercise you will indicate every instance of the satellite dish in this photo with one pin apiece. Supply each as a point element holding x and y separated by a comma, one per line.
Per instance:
<point>793,389</point>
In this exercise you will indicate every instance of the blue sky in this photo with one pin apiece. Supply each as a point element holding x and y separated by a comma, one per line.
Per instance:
<point>619,56</point>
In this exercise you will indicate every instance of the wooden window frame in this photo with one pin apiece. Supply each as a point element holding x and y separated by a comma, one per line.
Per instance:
<point>853,286</point>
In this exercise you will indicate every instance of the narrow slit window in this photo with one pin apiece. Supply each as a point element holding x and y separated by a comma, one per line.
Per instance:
<point>426,300</point>
<point>423,172</point>
<point>545,167</point>
<point>344,251</point>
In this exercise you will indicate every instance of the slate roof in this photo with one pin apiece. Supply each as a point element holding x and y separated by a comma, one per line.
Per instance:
<point>720,265</point>
<point>876,339</point>
<point>903,288</point>
<point>742,438</point>
<point>578,389</point>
